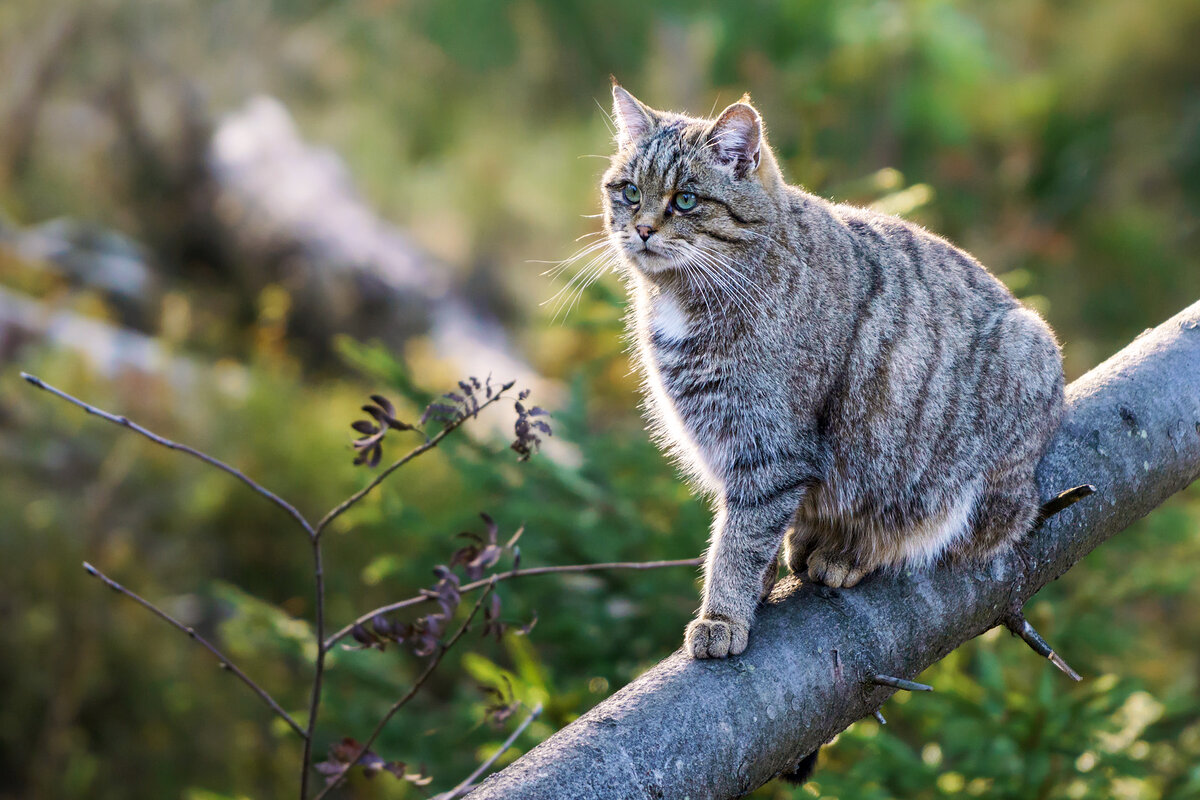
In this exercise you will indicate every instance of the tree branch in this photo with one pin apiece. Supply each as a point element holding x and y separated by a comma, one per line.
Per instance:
<point>314,700</point>
<point>222,660</point>
<point>410,694</point>
<point>718,729</point>
<point>503,576</point>
<point>125,422</point>
<point>426,446</point>
<point>467,783</point>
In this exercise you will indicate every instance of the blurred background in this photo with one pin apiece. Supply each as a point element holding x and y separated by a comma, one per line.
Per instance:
<point>232,220</point>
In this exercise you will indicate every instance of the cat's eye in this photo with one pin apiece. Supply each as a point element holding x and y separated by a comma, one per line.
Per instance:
<point>684,201</point>
<point>631,194</point>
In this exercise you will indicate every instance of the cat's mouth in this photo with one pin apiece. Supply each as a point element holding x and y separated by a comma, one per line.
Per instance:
<point>650,257</point>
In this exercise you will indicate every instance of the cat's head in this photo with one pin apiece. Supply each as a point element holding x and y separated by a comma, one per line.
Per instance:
<point>682,191</point>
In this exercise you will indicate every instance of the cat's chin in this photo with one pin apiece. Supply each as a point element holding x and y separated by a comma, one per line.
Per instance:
<point>650,262</point>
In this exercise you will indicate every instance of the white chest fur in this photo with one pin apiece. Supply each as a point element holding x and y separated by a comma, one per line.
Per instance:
<point>666,323</point>
<point>668,319</point>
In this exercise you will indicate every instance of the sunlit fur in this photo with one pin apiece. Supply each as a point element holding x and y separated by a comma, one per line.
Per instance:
<point>835,378</point>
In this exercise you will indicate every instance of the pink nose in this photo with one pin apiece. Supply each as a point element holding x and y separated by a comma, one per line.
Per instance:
<point>644,231</point>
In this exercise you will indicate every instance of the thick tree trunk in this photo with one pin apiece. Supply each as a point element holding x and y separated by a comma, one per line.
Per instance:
<point>718,729</point>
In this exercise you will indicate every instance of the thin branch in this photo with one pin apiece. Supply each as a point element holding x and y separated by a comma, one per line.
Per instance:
<point>428,445</point>
<point>410,694</point>
<point>1061,503</point>
<point>468,782</point>
<point>503,576</point>
<point>125,422</point>
<point>879,716</point>
<point>224,662</point>
<point>1019,626</point>
<point>900,683</point>
<point>323,645</point>
<point>314,703</point>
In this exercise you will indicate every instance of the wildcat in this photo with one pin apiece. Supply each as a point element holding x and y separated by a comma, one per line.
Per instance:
<point>851,389</point>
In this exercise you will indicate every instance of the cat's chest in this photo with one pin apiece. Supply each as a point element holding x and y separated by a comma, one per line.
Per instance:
<point>672,344</point>
<point>687,376</point>
<point>668,321</point>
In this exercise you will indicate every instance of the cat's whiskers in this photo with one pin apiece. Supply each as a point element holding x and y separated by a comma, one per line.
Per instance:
<point>711,272</point>
<point>570,295</point>
<point>708,279</point>
<point>729,263</point>
<point>601,257</point>
<point>609,122</point>
<point>740,288</point>
<point>559,266</point>
<point>681,262</point>
<point>594,274</point>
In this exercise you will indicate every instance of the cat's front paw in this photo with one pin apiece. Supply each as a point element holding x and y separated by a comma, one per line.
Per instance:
<point>716,638</point>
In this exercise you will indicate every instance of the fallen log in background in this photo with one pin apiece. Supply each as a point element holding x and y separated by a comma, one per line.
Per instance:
<point>719,729</point>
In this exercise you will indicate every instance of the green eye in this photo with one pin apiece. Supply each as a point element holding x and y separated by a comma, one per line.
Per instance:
<point>684,201</point>
<point>631,194</point>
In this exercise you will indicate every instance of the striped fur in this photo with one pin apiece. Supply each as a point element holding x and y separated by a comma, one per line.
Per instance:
<point>843,383</point>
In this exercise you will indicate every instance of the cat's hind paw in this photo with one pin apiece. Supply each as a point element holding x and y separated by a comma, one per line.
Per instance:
<point>716,638</point>
<point>834,571</point>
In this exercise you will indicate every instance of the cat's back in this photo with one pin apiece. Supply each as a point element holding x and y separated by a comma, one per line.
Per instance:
<point>940,361</point>
<point>893,257</point>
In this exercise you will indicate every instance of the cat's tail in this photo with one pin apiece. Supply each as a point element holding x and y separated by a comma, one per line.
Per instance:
<point>802,771</point>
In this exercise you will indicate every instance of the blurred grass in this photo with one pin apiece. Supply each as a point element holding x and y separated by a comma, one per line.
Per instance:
<point>1060,142</point>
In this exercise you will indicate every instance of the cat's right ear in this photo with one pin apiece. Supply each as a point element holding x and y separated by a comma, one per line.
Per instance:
<point>736,138</point>
<point>634,119</point>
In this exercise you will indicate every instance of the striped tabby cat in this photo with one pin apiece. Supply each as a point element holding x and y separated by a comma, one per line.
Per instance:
<point>850,388</point>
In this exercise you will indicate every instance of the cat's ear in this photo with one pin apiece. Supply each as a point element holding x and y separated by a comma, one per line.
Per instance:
<point>735,139</point>
<point>634,119</point>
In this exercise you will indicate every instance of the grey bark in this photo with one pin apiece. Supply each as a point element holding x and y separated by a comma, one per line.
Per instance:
<point>718,729</point>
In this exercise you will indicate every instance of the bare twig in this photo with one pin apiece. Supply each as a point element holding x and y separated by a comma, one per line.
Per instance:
<point>468,782</point>
<point>900,683</point>
<point>222,660</point>
<point>314,703</point>
<point>416,687</point>
<point>313,531</point>
<point>1019,626</point>
<point>514,573</point>
<point>879,716</point>
<point>428,445</point>
<point>171,445</point>
<point>318,570</point>
<point>1062,502</point>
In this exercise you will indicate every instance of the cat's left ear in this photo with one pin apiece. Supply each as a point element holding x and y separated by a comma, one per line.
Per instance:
<point>736,137</point>
<point>634,119</point>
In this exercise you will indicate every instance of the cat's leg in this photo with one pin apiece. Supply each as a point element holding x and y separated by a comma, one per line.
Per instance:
<point>770,575</point>
<point>832,553</point>
<point>838,569</point>
<point>1003,516</point>
<point>798,542</point>
<point>746,540</point>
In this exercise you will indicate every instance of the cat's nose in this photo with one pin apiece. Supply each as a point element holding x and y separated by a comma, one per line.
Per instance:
<point>644,231</point>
